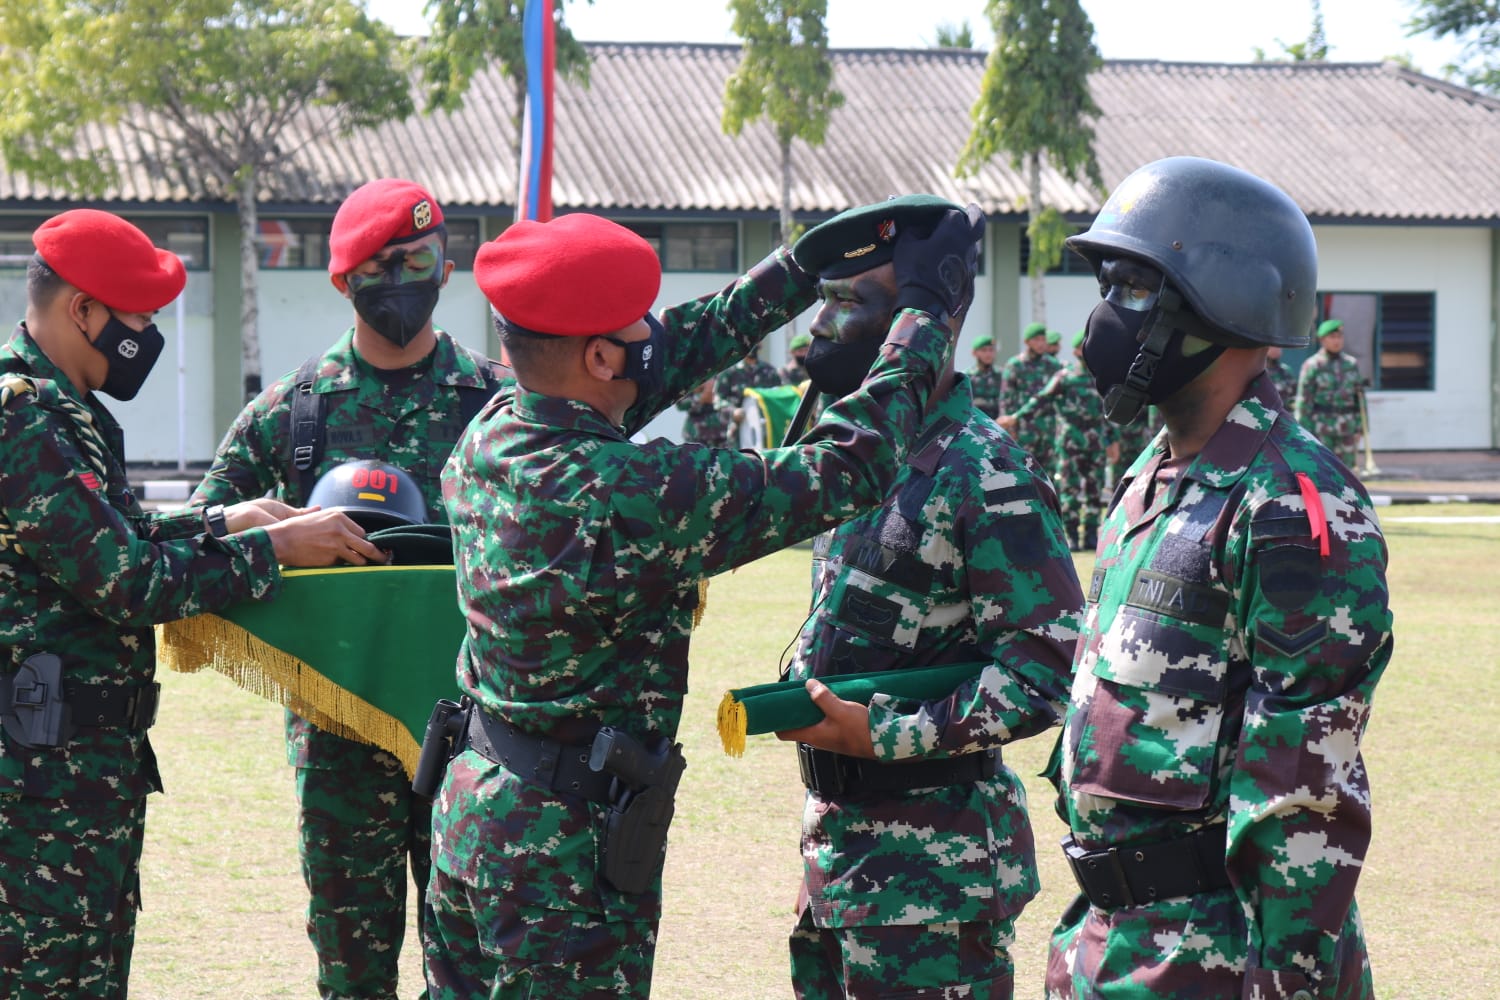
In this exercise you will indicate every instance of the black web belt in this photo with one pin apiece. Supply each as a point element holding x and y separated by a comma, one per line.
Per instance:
<point>829,773</point>
<point>552,765</point>
<point>113,705</point>
<point>1134,875</point>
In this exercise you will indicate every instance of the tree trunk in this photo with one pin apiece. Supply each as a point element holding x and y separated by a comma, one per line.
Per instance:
<point>1033,210</point>
<point>249,305</point>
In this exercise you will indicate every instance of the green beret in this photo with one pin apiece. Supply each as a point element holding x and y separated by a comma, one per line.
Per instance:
<point>801,340</point>
<point>1328,326</point>
<point>1053,337</point>
<point>865,237</point>
<point>984,340</point>
<point>1078,338</point>
<point>1034,330</point>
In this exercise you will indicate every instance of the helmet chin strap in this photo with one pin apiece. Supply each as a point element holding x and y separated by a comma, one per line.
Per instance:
<point>1126,401</point>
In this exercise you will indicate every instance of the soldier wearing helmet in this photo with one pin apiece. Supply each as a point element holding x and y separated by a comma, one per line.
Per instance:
<point>398,389</point>
<point>1237,623</point>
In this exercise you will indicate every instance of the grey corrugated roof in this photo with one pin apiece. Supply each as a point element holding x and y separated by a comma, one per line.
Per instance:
<point>1347,141</point>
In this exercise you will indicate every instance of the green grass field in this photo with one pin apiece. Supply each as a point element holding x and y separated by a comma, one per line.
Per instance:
<point>223,896</point>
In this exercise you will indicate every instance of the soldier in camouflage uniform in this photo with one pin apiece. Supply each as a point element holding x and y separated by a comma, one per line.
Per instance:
<point>794,372</point>
<point>1328,394</point>
<point>1283,378</point>
<point>984,377</point>
<point>1083,444</point>
<point>580,555</point>
<point>84,574</point>
<point>397,389</point>
<point>705,422</point>
<point>916,846</point>
<point>1022,377</point>
<point>1237,624</point>
<point>730,385</point>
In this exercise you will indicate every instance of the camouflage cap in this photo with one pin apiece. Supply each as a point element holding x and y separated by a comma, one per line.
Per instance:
<point>1329,326</point>
<point>983,340</point>
<point>865,237</point>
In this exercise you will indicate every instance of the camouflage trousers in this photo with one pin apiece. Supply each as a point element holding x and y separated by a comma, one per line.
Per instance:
<point>359,825</point>
<point>477,944</point>
<point>1080,494</point>
<point>1340,434</point>
<point>1189,947</point>
<point>69,892</point>
<point>954,961</point>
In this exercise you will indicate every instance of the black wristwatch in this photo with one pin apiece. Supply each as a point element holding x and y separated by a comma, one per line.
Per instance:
<point>213,521</point>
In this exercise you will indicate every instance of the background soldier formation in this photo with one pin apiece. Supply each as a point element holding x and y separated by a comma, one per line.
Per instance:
<point>1227,646</point>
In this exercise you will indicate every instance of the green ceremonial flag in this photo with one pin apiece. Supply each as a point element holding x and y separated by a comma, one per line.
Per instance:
<point>362,652</point>
<point>772,708</point>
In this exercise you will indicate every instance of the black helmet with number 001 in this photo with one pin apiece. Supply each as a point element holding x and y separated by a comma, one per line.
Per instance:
<point>373,494</point>
<point>1236,247</point>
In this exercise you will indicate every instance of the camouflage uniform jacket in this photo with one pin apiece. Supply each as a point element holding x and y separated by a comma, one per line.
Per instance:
<point>1328,389</point>
<point>964,562</point>
<point>86,573</point>
<point>730,386</point>
<point>1081,432</point>
<point>1285,381</point>
<point>1022,377</point>
<point>704,422</point>
<point>410,419</point>
<point>984,382</point>
<point>1232,641</point>
<point>580,555</point>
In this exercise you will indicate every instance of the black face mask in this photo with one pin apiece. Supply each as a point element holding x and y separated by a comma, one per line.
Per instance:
<point>643,359</point>
<point>1126,374</point>
<point>131,355</point>
<point>839,368</point>
<point>397,312</point>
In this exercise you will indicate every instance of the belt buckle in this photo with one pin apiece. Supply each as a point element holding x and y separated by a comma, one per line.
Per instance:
<point>820,770</point>
<point>141,709</point>
<point>1099,864</point>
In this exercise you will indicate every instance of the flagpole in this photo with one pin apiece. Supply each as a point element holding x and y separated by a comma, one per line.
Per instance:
<point>534,196</point>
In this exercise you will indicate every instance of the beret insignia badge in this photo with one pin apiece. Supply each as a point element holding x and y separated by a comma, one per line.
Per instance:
<point>421,214</point>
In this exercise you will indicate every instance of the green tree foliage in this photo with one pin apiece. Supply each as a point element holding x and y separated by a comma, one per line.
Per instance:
<point>785,76</point>
<point>1312,49</point>
<point>215,91</point>
<point>1476,23</point>
<point>960,36</point>
<point>1034,105</point>
<point>468,35</point>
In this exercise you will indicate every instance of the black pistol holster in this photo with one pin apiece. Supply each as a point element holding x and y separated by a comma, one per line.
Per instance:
<point>441,742</point>
<point>641,804</point>
<point>33,709</point>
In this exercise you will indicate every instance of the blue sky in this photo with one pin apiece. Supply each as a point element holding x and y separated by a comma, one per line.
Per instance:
<point>1176,30</point>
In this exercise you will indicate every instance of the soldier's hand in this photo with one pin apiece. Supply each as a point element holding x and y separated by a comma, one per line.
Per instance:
<point>935,271</point>
<point>845,727</point>
<point>1008,422</point>
<point>257,513</point>
<point>323,538</point>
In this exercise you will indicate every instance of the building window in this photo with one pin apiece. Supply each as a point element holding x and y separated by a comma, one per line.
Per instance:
<point>293,243</point>
<point>1391,335</point>
<point>692,246</point>
<point>1071,263</point>
<point>184,235</point>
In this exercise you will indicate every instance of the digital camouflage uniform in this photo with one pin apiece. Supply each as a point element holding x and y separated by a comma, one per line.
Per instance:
<point>84,574</point>
<point>964,562</point>
<point>984,381</point>
<point>1021,377</point>
<point>358,817</point>
<point>580,558</point>
<point>1231,644</point>
<point>1328,391</point>
<point>1079,439</point>
<point>705,423</point>
<point>1285,381</point>
<point>730,386</point>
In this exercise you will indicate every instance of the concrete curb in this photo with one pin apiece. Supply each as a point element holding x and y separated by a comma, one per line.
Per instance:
<point>1391,499</point>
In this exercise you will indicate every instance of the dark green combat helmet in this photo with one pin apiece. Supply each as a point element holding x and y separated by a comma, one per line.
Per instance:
<point>373,494</point>
<point>1236,247</point>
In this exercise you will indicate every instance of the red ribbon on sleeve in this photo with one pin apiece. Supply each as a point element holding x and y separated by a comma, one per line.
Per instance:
<point>1316,518</point>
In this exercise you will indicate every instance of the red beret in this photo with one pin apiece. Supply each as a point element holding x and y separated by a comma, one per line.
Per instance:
<point>576,276</point>
<point>106,257</point>
<point>381,212</point>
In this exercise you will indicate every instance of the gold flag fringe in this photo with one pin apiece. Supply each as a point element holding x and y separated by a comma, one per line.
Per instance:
<point>733,724</point>
<point>702,602</point>
<point>189,645</point>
